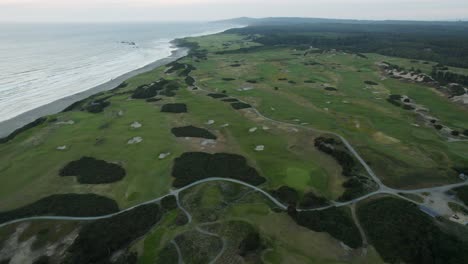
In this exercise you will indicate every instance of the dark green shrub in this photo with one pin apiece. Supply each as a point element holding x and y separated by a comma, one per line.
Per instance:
<point>286,195</point>
<point>402,233</point>
<point>462,194</point>
<point>371,83</point>
<point>230,100</point>
<point>311,200</point>
<point>335,221</point>
<point>217,95</point>
<point>174,108</point>
<point>92,171</point>
<point>64,205</point>
<point>169,203</point>
<point>194,166</point>
<point>331,89</point>
<point>240,105</point>
<point>99,240</point>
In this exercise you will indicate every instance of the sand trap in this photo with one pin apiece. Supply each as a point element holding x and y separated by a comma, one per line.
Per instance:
<point>210,122</point>
<point>260,148</point>
<point>164,155</point>
<point>208,142</point>
<point>265,128</point>
<point>243,89</point>
<point>135,140</point>
<point>273,109</point>
<point>120,113</point>
<point>303,124</point>
<point>253,129</point>
<point>225,125</point>
<point>69,122</point>
<point>135,125</point>
<point>62,147</point>
<point>384,139</point>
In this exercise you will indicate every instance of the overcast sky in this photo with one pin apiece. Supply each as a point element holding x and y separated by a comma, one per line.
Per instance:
<point>189,10</point>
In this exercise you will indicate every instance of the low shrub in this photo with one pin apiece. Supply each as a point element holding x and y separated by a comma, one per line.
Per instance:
<point>190,81</point>
<point>311,200</point>
<point>217,95</point>
<point>191,131</point>
<point>462,194</point>
<point>78,205</point>
<point>151,100</point>
<point>371,83</point>
<point>194,166</point>
<point>240,105</point>
<point>402,233</point>
<point>345,159</point>
<point>99,240</point>
<point>335,221</point>
<point>174,108</point>
<point>250,243</point>
<point>92,171</point>
<point>331,89</point>
<point>228,79</point>
<point>286,195</point>
<point>169,203</point>
<point>230,100</point>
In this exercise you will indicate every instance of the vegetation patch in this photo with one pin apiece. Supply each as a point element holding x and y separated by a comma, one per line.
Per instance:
<point>99,240</point>
<point>64,205</point>
<point>169,203</point>
<point>18,131</point>
<point>92,171</point>
<point>189,80</point>
<point>97,106</point>
<point>230,100</point>
<point>370,83</point>
<point>217,95</point>
<point>228,79</point>
<point>311,200</point>
<point>335,221</point>
<point>286,195</point>
<point>195,166</point>
<point>330,146</point>
<point>191,131</point>
<point>402,233</point>
<point>174,108</point>
<point>240,105</point>
<point>151,90</point>
<point>152,100</point>
<point>462,194</point>
<point>331,89</point>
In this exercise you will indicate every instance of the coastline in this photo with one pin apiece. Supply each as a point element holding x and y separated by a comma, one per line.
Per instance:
<point>10,125</point>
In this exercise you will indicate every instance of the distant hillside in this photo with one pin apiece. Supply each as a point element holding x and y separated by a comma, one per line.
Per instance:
<point>274,21</point>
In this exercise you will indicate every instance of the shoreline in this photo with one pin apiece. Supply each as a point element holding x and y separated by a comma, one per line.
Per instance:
<point>10,125</point>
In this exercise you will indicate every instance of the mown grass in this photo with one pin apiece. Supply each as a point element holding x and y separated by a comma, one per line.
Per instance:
<point>384,135</point>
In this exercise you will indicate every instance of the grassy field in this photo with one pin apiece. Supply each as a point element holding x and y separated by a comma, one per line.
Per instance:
<point>402,154</point>
<point>30,163</point>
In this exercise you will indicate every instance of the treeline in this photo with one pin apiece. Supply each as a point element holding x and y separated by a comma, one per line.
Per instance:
<point>444,43</point>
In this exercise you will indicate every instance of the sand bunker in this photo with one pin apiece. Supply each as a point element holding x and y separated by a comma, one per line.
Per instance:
<point>164,155</point>
<point>135,140</point>
<point>62,147</point>
<point>260,148</point>
<point>210,122</point>
<point>135,125</point>
<point>253,129</point>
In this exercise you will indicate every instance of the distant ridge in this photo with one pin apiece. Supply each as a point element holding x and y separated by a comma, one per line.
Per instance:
<point>248,21</point>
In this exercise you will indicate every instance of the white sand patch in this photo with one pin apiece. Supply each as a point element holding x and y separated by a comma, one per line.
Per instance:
<point>243,89</point>
<point>415,125</point>
<point>303,124</point>
<point>328,102</point>
<point>120,113</point>
<point>225,125</point>
<point>135,140</point>
<point>210,122</point>
<point>69,122</point>
<point>260,148</point>
<point>253,129</point>
<point>208,142</point>
<point>62,147</point>
<point>135,125</point>
<point>265,128</point>
<point>164,155</point>
<point>357,124</point>
<point>296,120</point>
<point>462,99</point>
<point>384,139</point>
<point>272,109</point>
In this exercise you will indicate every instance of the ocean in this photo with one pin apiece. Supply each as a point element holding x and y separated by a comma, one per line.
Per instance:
<point>41,63</point>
